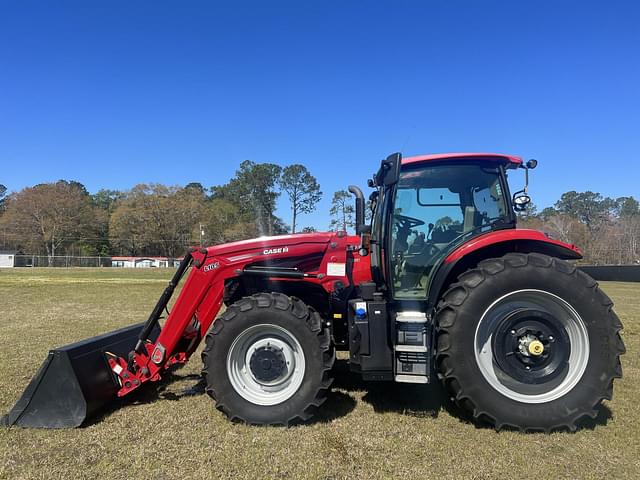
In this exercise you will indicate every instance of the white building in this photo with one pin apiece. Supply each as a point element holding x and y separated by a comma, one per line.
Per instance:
<point>7,259</point>
<point>144,262</point>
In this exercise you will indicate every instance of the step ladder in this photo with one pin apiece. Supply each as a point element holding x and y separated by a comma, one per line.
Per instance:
<point>412,347</point>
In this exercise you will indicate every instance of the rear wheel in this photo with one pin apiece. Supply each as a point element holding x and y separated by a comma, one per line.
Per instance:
<point>268,360</point>
<point>528,342</point>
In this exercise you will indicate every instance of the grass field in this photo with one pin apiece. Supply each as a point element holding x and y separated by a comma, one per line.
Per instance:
<point>365,430</point>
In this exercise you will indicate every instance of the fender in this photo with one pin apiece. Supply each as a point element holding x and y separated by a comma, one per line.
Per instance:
<point>495,244</point>
<point>536,240</point>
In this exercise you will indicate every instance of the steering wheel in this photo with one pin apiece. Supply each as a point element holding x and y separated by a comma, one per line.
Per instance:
<point>405,224</point>
<point>408,222</point>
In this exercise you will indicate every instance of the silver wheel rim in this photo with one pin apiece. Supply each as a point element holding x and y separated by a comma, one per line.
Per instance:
<point>563,312</point>
<point>243,379</point>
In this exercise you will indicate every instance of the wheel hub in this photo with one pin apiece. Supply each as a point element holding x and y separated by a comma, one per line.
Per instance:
<point>536,348</point>
<point>525,346</point>
<point>531,346</point>
<point>267,363</point>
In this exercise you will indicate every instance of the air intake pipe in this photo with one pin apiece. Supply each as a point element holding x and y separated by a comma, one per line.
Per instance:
<point>359,208</point>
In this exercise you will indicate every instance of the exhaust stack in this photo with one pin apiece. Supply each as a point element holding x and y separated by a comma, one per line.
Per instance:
<point>359,208</point>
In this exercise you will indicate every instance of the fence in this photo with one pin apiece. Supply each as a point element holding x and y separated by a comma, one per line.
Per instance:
<point>60,261</point>
<point>613,273</point>
<point>68,261</point>
<point>616,273</point>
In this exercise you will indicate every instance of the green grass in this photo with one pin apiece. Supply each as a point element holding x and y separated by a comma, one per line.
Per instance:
<point>365,430</point>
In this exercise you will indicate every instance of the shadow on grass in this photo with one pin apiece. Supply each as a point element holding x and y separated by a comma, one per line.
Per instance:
<point>150,393</point>
<point>422,401</point>
<point>427,400</point>
<point>603,416</point>
<point>405,398</point>
<point>337,404</point>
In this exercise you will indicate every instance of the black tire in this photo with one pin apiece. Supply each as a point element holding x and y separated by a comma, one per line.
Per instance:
<point>458,354</point>
<point>301,322</point>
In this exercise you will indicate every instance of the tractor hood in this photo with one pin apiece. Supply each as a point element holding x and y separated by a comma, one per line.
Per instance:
<point>324,256</point>
<point>270,243</point>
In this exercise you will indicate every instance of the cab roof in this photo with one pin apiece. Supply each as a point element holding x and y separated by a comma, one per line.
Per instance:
<point>510,161</point>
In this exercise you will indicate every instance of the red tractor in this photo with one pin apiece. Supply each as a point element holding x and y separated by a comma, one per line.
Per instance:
<point>442,284</point>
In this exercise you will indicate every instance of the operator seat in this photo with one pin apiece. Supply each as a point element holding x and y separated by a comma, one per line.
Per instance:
<point>470,214</point>
<point>418,244</point>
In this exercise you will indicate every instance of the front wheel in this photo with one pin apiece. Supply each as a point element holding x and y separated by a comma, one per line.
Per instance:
<point>528,342</point>
<point>268,360</point>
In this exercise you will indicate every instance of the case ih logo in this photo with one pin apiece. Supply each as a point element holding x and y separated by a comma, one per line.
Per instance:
<point>271,251</point>
<point>211,266</point>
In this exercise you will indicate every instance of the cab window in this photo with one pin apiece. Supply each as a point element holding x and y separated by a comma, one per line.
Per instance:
<point>436,208</point>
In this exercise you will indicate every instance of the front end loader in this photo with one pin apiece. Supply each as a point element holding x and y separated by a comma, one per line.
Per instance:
<point>74,383</point>
<point>441,285</point>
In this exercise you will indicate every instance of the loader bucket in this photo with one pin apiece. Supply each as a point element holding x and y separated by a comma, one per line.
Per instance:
<point>74,382</point>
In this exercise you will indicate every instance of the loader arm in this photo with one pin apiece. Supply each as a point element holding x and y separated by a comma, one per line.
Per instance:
<point>196,306</point>
<point>202,295</point>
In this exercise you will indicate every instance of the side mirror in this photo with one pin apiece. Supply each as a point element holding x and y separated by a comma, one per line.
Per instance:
<point>520,201</point>
<point>389,172</point>
<point>521,198</point>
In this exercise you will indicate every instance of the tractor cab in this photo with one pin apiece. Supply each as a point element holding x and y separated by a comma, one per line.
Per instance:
<point>435,207</point>
<point>426,206</point>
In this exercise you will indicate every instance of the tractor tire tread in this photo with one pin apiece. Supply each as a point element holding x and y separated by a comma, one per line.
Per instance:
<point>298,309</point>
<point>453,299</point>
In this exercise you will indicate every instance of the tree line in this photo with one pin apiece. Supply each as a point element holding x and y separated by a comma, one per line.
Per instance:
<point>606,229</point>
<point>63,218</point>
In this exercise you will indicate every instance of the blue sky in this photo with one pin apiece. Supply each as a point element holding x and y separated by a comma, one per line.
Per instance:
<point>118,93</point>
